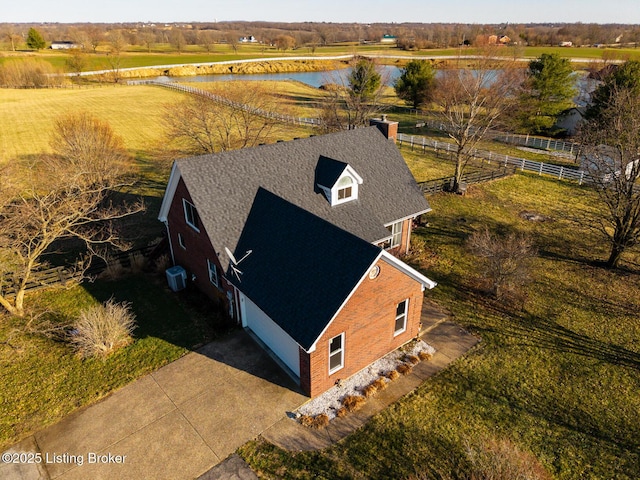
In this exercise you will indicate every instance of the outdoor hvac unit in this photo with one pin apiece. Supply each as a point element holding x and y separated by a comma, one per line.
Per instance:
<point>177,278</point>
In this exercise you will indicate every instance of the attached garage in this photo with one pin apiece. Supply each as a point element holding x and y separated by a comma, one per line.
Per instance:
<point>274,337</point>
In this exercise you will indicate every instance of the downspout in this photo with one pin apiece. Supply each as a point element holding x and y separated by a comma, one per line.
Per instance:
<point>409,223</point>
<point>166,224</point>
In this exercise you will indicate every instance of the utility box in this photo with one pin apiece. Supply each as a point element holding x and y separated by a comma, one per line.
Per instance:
<point>177,278</point>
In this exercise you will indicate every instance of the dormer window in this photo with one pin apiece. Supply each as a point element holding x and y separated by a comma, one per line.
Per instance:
<point>337,180</point>
<point>345,188</point>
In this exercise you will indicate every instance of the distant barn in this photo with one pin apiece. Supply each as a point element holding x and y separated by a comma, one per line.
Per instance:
<point>64,45</point>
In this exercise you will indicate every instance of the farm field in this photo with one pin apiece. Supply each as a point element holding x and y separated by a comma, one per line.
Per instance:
<point>134,112</point>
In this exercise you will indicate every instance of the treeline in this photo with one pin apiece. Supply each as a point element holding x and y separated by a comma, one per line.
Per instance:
<point>310,34</point>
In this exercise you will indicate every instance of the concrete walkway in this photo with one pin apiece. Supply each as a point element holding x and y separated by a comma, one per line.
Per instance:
<point>176,423</point>
<point>450,341</point>
<point>183,420</point>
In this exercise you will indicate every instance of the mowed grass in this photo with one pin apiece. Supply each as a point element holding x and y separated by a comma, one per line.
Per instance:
<point>558,378</point>
<point>134,112</point>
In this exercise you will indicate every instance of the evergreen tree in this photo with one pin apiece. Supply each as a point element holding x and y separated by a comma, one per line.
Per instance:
<point>416,83</point>
<point>548,91</point>
<point>623,77</point>
<point>35,41</point>
<point>364,80</point>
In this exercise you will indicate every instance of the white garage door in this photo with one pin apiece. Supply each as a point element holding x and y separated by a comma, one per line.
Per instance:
<point>272,335</point>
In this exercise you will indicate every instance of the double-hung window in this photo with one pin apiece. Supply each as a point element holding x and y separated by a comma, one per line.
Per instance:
<point>213,273</point>
<point>336,353</point>
<point>401,317</point>
<point>396,234</point>
<point>191,215</point>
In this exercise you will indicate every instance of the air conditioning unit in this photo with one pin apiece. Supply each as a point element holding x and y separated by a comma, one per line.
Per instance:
<point>177,278</point>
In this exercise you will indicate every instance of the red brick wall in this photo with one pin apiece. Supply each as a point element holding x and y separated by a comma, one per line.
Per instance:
<point>198,247</point>
<point>368,321</point>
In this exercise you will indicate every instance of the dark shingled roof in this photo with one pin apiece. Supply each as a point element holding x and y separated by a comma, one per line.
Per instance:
<point>328,170</point>
<point>301,268</point>
<point>224,185</point>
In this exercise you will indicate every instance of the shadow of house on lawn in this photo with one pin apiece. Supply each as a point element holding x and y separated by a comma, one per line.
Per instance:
<point>190,320</point>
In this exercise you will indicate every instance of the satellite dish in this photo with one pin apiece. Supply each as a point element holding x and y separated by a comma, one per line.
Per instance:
<point>234,263</point>
<point>230,255</point>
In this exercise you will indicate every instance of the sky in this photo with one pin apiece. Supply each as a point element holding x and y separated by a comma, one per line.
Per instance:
<point>361,11</point>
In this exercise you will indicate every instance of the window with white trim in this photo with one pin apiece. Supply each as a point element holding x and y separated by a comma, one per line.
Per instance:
<point>191,215</point>
<point>396,234</point>
<point>213,273</point>
<point>336,353</point>
<point>345,188</point>
<point>181,241</point>
<point>401,317</point>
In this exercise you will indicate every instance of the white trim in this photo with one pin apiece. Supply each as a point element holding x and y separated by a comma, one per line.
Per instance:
<point>181,241</point>
<point>404,268</point>
<point>407,217</point>
<point>169,192</point>
<point>341,351</point>
<point>194,212</point>
<point>395,234</point>
<point>405,315</point>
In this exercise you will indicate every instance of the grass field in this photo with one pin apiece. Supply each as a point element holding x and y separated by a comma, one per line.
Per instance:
<point>558,378</point>
<point>134,112</point>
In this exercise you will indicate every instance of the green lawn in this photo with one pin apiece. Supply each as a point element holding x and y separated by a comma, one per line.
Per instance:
<point>559,378</point>
<point>42,379</point>
<point>134,112</point>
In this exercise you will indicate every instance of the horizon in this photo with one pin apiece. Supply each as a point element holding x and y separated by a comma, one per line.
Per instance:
<point>490,12</point>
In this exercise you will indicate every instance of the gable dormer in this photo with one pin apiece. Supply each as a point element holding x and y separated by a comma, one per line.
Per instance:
<point>337,180</point>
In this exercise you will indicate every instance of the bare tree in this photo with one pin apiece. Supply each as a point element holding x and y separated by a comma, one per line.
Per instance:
<point>61,196</point>
<point>236,119</point>
<point>177,40</point>
<point>206,40</point>
<point>471,101</point>
<point>611,154</point>
<point>96,37</point>
<point>284,42</point>
<point>13,37</point>
<point>504,261</point>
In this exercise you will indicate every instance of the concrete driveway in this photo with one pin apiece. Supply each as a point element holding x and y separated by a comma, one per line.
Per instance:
<point>175,423</point>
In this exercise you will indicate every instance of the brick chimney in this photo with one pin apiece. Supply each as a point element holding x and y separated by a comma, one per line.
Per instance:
<point>388,128</point>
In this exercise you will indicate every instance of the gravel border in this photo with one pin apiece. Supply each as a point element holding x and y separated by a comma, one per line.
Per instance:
<point>330,401</point>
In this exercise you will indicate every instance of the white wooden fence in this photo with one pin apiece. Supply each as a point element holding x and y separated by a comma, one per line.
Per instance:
<point>558,171</point>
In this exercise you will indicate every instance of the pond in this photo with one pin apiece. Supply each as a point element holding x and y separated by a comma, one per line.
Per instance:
<point>314,79</point>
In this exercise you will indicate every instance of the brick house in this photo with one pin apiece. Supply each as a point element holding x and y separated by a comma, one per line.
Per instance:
<point>300,239</point>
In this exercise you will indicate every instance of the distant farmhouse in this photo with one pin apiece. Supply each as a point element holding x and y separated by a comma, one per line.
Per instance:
<point>64,45</point>
<point>389,39</point>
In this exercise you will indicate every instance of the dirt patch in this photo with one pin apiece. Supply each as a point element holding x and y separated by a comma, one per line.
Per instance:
<point>534,217</point>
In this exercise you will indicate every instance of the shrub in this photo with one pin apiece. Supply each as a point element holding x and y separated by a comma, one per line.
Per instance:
<point>137,261</point>
<point>320,421</point>
<point>162,263</point>
<point>369,390</point>
<point>353,402</point>
<point>392,375</point>
<point>424,355</point>
<point>380,383</point>
<point>412,359</point>
<point>102,329</point>
<point>113,271</point>
<point>341,412</point>
<point>306,420</point>
<point>404,369</point>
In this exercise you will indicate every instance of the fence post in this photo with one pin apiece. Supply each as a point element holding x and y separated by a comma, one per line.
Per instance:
<point>506,159</point>
<point>522,166</point>
<point>561,171</point>
<point>581,177</point>
<point>571,151</point>
<point>412,143</point>
<point>541,165</point>
<point>548,143</point>
<point>424,145</point>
